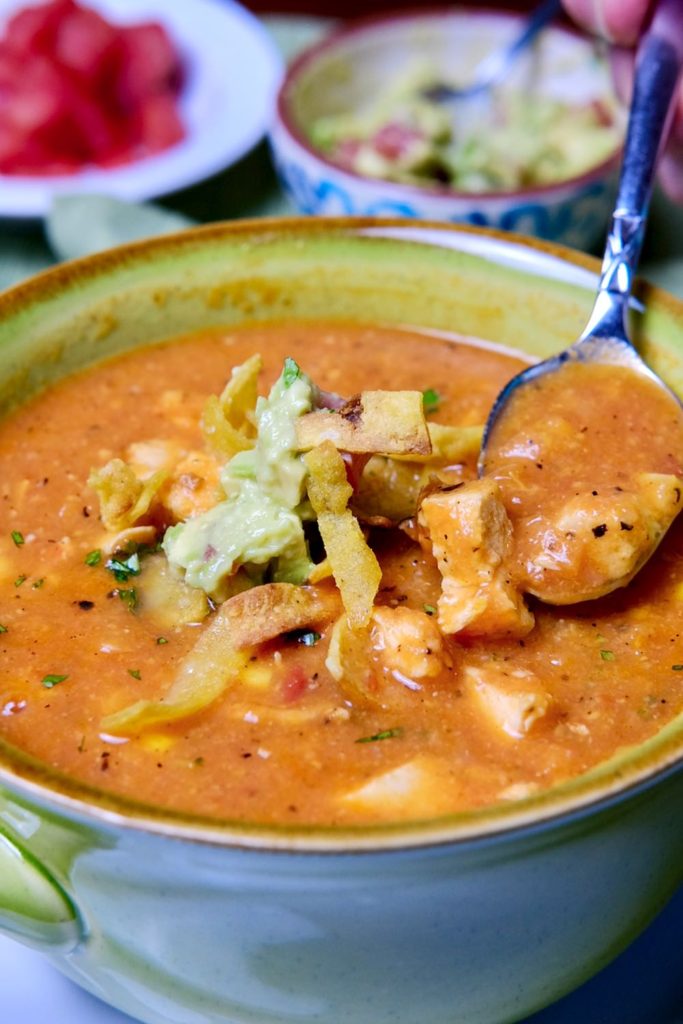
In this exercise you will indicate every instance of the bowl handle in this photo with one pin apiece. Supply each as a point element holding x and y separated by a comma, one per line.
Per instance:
<point>33,907</point>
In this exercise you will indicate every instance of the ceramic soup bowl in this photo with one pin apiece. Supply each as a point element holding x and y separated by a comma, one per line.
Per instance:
<point>479,918</point>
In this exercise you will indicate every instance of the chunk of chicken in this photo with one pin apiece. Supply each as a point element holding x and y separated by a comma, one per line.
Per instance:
<point>599,541</point>
<point>511,700</point>
<point>148,457</point>
<point>193,487</point>
<point>471,538</point>
<point>409,642</point>
<point>415,787</point>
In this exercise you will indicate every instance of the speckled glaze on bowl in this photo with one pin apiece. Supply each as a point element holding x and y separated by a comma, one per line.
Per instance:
<point>478,918</point>
<point>342,71</point>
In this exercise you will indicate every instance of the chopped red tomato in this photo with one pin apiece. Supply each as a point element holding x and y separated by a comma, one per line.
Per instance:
<point>294,684</point>
<point>77,90</point>
<point>394,140</point>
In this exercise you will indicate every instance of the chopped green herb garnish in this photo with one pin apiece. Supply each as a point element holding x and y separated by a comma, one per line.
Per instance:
<point>385,734</point>
<point>161,640</point>
<point>607,655</point>
<point>49,681</point>
<point>135,673</point>
<point>308,639</point>
<point>677,668</point>
<point>38,583</point>
<point>431,400</point>
<point>129,598</point>
<point>17,537</point>
<point>291,372</point>
<point>20,579</point>
<point>3,629</point>
<point>93,557</point>
<point>124,568</point>
<point>430,609</point>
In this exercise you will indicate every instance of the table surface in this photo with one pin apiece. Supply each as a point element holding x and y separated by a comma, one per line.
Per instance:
<point>645,984</point>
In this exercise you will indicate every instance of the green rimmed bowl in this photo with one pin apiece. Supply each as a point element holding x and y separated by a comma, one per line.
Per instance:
<point>475,919</point>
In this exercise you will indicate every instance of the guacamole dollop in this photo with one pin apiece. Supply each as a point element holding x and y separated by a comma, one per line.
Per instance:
<point>258,527</point>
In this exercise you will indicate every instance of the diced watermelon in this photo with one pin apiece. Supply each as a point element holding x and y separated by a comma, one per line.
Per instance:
<point>32,30</point>
<point>159,122</point>
<point>148,64</point>
<point>76,90</point>
<point>84,43</point>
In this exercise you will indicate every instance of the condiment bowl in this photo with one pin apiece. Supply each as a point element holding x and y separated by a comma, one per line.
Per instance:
<point>479,918</point>
<point>348,70</point>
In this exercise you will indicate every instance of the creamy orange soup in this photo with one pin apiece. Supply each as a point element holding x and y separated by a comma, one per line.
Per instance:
<point>436,727</point>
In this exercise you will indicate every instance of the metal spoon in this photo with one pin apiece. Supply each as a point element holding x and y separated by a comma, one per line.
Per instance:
<point>495,66</point>
<point>605,338</point>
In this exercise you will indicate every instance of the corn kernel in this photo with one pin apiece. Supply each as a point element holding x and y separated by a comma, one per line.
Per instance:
<point>258,676</point>
<point>157,742</point>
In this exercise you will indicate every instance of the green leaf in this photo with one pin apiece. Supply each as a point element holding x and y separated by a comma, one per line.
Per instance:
<point>290,372</point>
<point>135,673</point>
<point>17,537</point>
<point>38,583</point>
<point>385,734</point>
<point>607,655</point>
<point>431,400</point>
<point>129,598</point>
<point>51,680</point>
<point>20,579</point>
<point>308,639</point>
<point>93,557</point>
<point>124,568</point>
<point>161,640</point>
<point>430,609</point>
<point>3,629</point>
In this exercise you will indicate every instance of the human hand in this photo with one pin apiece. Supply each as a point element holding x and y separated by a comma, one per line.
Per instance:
<point>621,22</point>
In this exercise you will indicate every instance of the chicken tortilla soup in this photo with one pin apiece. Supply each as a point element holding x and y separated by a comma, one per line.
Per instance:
<point>253,575</point>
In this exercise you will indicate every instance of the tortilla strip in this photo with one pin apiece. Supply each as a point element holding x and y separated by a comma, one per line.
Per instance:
<point>355,569</point>
<point>348,661</point>
<point>387,422</point>
<point>450,444</point>
<point>123,498</point>
<point>224,649</point>
<point>228,420</point>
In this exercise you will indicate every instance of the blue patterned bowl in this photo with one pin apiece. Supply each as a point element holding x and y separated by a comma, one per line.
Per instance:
<point>355,62</point>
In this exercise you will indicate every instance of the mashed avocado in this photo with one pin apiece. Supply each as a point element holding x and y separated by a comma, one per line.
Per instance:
<point>259,524</point>
<point>513,139</point>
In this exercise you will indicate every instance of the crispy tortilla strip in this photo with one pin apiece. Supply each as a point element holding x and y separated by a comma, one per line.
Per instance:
<point>355,569</point>
<point>123,498</point>
<point>393,488</point>
<point>320,571</point>
<point>224,649</point>
<point>228,421</point>
<point>450,444</point>
<point>349,662</point>
<point>387,422</point>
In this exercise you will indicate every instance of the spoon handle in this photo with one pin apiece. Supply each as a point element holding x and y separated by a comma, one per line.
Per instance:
<point>659,63</point>
<point>493,67</point>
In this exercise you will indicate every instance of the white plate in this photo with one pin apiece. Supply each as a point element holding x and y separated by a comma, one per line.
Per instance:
<point>232,74</point>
